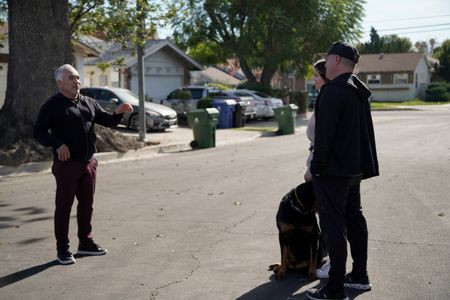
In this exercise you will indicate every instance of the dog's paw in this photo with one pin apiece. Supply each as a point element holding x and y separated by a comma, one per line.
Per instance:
<point>274,268</point>
<point>280,273</point>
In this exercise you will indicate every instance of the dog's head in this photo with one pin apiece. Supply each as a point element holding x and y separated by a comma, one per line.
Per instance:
<point>304,194</point>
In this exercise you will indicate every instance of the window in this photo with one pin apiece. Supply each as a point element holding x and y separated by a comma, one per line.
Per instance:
<point>400,77</point>
<point>373,78</point>
<point>196,93</point>
<point>105,95</point>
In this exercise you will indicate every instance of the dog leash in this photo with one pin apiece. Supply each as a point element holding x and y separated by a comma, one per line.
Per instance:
<point>298,200</point>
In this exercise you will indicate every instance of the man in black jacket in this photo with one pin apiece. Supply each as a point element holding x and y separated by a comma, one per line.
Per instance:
<point>66,123</point>
<point>344,153</point>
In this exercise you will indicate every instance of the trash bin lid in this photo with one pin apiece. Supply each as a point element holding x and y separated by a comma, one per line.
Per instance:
<point>293,106</point>
<point>230,102</point>
<point>212,111</point>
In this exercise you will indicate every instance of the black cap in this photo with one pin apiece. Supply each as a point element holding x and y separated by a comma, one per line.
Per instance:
<point>344,50</point>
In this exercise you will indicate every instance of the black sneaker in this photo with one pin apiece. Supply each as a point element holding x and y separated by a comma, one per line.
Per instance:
<point>90,248</point>
<point>359,283</point>
<point>324,293</point>
<point>64,257</point>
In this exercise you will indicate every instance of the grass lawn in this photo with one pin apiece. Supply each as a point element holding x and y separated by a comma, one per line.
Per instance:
<point>387,105</point>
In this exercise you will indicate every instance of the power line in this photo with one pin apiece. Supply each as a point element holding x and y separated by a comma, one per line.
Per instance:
<point>429,30</point>
<point>407,19</point>
<point>411,27</point>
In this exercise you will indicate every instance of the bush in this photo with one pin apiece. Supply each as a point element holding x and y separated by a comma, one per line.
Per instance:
<point>182,94</point>
<point>205,103</point>
<point>438,91</point>
<point>299,99</point>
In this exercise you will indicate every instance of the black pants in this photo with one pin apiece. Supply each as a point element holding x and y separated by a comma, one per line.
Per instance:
<point>74,179</point>
<point>341,219</point>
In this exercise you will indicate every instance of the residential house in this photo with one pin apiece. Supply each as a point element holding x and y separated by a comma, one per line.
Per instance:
<point>166,67</point>
<point>395,76</point>
<point>4,58</point>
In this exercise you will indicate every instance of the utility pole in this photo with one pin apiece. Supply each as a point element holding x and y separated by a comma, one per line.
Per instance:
<point>140,59</point>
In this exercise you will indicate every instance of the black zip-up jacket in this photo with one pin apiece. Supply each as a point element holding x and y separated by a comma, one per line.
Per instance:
<point>65,121</point>
<point>344,142</point>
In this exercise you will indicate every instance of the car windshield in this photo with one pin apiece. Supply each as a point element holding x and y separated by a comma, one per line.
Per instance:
<point>128,97</point>
<point>262,95</point>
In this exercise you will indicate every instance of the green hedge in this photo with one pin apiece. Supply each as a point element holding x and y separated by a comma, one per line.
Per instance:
<point>205,103</point>
<point>299,99</point>
<point>438,91</point>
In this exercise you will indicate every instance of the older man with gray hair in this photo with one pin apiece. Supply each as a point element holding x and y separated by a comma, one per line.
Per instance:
<point>66,123</point>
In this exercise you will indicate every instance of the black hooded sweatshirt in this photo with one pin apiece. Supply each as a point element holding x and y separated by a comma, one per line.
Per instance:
<point>64,121</point>
<point>344,142</point>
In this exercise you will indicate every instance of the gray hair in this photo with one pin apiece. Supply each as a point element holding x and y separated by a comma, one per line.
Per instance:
<point>59,73</point>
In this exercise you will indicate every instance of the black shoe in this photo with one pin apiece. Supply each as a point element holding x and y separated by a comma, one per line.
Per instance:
<point>90,248</point>
<point>64,257</point>
<point>359,283</point>
<point>324,293</point>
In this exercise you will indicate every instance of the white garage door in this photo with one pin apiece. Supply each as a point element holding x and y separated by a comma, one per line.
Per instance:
<point>158,87</point>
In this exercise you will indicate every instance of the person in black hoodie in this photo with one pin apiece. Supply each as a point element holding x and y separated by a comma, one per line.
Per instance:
<point>66,123</point>
<point>344,154</point>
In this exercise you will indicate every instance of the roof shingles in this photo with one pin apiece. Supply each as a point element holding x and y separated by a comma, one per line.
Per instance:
<point>389,62</point>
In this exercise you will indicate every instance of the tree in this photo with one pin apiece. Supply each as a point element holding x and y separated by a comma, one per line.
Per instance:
<point>39,41</point>
<point>386,44</point>
<point>266,35</point>
<point>374,45</point>
<point>443,54</point>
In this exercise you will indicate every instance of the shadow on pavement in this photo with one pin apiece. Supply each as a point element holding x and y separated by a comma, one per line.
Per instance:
<point>24,274</point>
<point>277,289</point>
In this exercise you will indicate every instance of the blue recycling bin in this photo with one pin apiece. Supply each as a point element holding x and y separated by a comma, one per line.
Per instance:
<point>226,110</point>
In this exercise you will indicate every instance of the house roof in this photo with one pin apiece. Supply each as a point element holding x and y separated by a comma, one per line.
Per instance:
<point>111,52</point>
<point>389,62</point>
<point>154,46</point>
<point>218,75</point>
<point>86,49</point>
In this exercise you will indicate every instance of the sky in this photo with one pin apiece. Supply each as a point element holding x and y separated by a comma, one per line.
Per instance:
<point>419,20</point>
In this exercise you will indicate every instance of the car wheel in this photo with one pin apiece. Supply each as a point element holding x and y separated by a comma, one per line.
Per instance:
<point>134,122</point>
<point>194,144</point>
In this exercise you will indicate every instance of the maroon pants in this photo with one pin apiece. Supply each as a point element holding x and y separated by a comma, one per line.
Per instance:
<point>74,179</point>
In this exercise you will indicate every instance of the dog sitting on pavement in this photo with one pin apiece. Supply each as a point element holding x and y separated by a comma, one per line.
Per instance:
<point>302,247</point>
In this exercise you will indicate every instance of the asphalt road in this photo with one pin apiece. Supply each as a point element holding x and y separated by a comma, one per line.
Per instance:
<point>201,224</point>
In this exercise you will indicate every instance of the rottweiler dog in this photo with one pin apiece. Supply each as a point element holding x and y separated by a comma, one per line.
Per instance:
<point>301,243</point>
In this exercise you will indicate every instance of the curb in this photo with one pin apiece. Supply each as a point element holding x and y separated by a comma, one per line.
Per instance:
<point>103,157</point>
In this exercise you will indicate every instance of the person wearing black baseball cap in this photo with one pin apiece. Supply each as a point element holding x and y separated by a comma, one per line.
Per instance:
<point>344,154</point>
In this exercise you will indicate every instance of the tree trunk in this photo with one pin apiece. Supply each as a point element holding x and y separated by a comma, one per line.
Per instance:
<point>247,71</point>
<point>39,42</point>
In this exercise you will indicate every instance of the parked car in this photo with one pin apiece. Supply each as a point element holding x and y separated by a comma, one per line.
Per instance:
<point>264,103</point>
<point>312,96</point>
<point>158,117</point>
<point>248,101</point>
<point>185,99</point>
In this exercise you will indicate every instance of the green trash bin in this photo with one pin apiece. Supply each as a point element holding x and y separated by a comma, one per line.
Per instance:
<point>285,116</point>
<point>203,123</point>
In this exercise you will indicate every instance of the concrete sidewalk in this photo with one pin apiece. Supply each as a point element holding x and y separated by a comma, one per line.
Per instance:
<point>170,141</point>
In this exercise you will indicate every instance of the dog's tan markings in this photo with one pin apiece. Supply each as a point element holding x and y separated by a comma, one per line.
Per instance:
<point>286,227</point>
